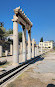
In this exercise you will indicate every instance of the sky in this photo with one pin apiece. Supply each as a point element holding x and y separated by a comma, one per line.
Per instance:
<point>40,12</point>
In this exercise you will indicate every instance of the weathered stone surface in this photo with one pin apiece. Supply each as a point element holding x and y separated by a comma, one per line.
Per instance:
<point>33,48</point>
<point>0,51</point>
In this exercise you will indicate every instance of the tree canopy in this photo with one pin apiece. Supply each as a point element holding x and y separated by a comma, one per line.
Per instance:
<point>4,33</point>
<point>41,40</point>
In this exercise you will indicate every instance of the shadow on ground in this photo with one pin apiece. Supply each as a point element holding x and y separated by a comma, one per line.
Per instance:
<point>38,58</point>
<point>50,85</point>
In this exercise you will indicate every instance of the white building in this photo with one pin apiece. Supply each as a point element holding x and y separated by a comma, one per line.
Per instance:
<point>47,44</point>
<point>10,37</point>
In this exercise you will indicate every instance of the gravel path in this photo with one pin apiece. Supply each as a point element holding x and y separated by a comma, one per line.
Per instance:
<point>41,74</point>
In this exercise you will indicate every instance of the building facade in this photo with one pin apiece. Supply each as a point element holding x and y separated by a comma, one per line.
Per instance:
<point>47,44</point>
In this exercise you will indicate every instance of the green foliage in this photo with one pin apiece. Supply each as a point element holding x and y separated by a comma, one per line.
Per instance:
<point>54,48</point>
<point>4,33</point>
<point>10,31</point>
<point>20,36</point>
<point>2,29</point>
<point>1,24</point>
<point>51,40</point>
<point>41,40</point>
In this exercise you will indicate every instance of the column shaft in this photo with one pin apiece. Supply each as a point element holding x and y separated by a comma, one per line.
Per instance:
<point>33,48</point>
<point>6,52</point>
<point>15,43</point>
<point>0,51</point>
<point>11,49</point>
<point>24,44</point>
<point>29,45</point>
<point>35,51</point>
<point>41,48</point>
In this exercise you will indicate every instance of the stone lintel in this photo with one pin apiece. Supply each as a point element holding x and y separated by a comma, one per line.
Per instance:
<point>21,13</point>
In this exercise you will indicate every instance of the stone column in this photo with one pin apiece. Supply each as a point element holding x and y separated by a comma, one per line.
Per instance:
<point>41,48</point>
<point>24,44</point>
<point>20,47</point>
<point>15,43</point>
<point>0,51</point>
<point>35,51</point>
<point>6,52</point>
<point>33,48</point>
<point>11,49</point>
<point>29,45</point>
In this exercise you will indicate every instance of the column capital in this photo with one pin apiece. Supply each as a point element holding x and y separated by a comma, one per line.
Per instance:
<point>23,27</point>
<point>15,18</point>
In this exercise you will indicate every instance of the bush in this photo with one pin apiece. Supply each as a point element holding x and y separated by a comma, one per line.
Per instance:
<point>54,48</point>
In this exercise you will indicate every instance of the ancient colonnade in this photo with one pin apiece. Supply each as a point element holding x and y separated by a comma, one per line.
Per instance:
<point>33,50</point>
<point>26,24</point>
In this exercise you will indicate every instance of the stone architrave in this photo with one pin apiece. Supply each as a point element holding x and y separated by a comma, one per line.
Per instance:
<point>0,51</point>
<point>29,44</point>
<point>24,44</point>
<point>11,49</point>
<point>33,48</point>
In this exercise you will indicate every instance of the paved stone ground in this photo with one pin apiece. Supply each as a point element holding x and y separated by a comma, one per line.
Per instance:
<point>41,74</point>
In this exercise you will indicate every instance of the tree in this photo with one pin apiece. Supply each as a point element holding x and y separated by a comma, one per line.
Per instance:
<point>41,40</point>
<point>51,40</point>
<point>1,24</point>
<point>20,36</point>
<point>2,31</point>
<point>8,32</point>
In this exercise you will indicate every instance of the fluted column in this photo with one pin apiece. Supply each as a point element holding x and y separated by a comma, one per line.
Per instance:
<point>33,48</point>
<point>0,50</point>
<point>15,43</point>
<point>29,45</point>
<point>24,44</point>
<point>11,49</point>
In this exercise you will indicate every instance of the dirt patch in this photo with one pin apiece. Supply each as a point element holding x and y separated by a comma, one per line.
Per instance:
<point>27,79</point>
<point>31,78</point>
